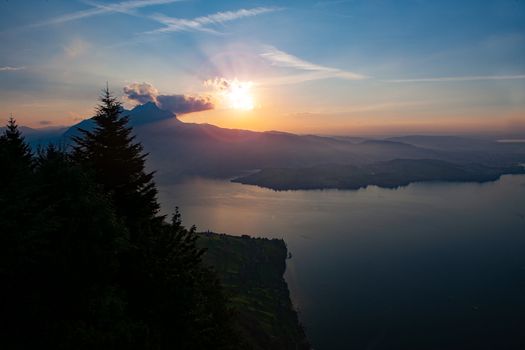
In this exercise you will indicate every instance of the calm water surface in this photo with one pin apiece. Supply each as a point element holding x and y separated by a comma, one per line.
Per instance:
<point>427,266</point>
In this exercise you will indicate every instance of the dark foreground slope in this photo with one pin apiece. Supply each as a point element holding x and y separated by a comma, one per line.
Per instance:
<point>394,173</point>
<point>251,270</point>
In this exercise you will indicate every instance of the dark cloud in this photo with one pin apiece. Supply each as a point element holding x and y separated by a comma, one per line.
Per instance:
<point>45,122</point>
<point>178,104</point>
<point>184,104</point>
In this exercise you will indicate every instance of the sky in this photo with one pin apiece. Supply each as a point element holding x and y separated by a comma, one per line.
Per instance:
<point>340,67</point>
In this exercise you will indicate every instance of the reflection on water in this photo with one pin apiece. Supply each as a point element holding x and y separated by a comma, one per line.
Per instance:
<point>427,266</point>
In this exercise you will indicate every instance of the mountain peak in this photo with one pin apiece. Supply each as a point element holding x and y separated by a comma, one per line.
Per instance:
<point>148,106</point>
<point>147,113</point>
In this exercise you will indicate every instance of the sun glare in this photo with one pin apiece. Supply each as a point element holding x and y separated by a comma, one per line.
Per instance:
<point>239,96</point>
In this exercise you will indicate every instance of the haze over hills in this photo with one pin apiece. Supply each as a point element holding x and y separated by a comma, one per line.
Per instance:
<point>179,149</point>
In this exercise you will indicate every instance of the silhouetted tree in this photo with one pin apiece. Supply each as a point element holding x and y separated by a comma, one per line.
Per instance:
<point>187,296</point>
<point>15,208</point>
<point>15,153</point>
<point>118,163</point>
<point>85,260</point>
<point>59,270</point>
<point>179,301</point>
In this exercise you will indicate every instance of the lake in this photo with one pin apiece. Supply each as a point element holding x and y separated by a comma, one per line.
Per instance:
<point>426,266</point>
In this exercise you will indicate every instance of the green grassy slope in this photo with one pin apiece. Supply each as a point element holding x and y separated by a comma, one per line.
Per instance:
<point>252,272</point>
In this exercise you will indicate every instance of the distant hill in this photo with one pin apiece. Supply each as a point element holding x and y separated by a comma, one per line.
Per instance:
<point>393,173</point>
<point>179,149</point>
<point>41,136</point>
<point>445,142</point>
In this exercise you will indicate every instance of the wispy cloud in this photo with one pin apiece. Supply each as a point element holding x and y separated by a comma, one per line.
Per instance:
<point>10,68</point>
<point>202,23</point>
<point>282,59</point>
<point>102,9</point>
<point>460,78</point>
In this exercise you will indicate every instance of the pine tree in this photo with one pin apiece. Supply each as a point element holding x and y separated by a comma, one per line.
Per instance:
<point>16,169</point>
<point>59,246</point>
<point>186,305</point>
<point>15,153</point>
<point>118,163</point>
<point>173,300</point>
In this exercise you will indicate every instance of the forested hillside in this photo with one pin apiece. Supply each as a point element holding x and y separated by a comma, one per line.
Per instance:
<point>86,260</point>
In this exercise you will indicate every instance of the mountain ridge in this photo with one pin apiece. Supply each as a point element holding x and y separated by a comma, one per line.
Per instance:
<point>178,149</point>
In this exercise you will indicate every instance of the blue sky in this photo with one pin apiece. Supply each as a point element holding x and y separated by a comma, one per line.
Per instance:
<point>314,66</point>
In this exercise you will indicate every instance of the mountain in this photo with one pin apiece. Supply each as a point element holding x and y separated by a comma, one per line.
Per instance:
<point>140,115</point>
<point>444,142</point>
<point>179,149</point>
<point>468,149</point>
<point>42,136</point>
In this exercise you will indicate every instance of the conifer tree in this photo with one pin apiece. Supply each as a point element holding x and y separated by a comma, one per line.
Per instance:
<point>118,163</point>
<point>171,298</point>
<point>59,247</point>
<point>186,305</point>
<point>16,169</point>
<point>15,153</point>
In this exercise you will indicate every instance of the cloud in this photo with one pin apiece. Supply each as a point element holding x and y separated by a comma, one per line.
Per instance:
<point>178,104</point>
<point>184,104</point>
<point>45,122</point>
<point>219,84</point>
<point>312,71</point>
<point>10,68</point>
<point>282,59</point>
<point>201,23</point>
<point>227,86</point>
<point>460,78</point>
<point>141,92</point>
<point>102,9</point>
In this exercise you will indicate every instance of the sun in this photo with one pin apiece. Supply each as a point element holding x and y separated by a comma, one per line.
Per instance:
<point>232,93</point>
<point>238,95</point>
